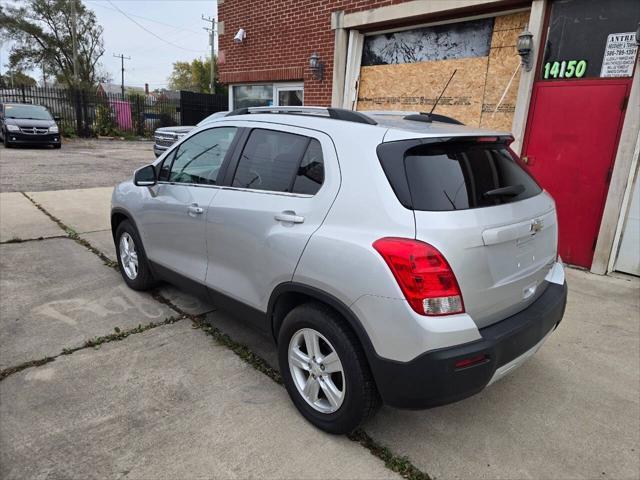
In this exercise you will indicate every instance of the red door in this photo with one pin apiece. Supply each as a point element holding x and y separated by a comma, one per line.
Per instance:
<point>570,146</point>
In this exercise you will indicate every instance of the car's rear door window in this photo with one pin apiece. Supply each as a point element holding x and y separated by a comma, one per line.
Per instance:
<point>310,174</point>
<point>465,175</point>
<point>199,158</point>
<point>280,162</point>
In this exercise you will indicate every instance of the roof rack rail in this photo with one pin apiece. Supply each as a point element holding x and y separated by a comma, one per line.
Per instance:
<point>334,113</point>
<point>432,117</point>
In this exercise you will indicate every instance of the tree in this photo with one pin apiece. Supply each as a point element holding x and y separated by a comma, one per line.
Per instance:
<point>42,35</point>
<point>194,76</point>
<point>13,78</point>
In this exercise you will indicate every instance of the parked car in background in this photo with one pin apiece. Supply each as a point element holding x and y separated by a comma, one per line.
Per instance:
<point>25,124</point>
<point>164,137</point>
<point>393,258</point>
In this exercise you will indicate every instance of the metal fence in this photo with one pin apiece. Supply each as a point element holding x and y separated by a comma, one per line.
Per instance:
<point>88,113</point>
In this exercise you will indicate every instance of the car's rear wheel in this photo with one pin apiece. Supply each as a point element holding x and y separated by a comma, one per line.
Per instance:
<point>132,260</point>
<point>324,369</point>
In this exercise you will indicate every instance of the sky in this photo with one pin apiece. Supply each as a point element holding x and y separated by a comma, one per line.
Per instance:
<point>178,23</point>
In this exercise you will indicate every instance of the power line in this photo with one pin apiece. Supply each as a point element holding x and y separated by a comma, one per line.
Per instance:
<point>150,32</point>
<point>147,18</point>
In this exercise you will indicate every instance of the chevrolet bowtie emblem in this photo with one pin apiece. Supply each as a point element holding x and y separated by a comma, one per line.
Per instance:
<point>536,225</point>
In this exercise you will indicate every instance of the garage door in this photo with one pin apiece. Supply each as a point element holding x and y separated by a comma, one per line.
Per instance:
<point>629,255</point>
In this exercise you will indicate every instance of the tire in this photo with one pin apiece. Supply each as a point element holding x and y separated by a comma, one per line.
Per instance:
<point>141,278</point>
<point>5,141</point>
<point>57,145</point>
<point>359,399</point>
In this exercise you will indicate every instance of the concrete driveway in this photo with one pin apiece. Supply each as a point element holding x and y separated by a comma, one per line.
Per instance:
<point>99,381</point>
<point>80,163</point>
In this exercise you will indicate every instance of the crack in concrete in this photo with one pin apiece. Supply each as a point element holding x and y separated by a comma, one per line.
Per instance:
<point>92,342</point>
<point>25,240</point>
<point>396,463</point>
<point>72,234</point>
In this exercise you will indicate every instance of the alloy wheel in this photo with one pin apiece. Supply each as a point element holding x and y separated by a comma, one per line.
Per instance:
<point>316,370</point>
<point>128,256</point>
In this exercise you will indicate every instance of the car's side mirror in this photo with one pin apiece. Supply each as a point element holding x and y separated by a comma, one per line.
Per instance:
<point>145,176</point>
<point>57,118</point>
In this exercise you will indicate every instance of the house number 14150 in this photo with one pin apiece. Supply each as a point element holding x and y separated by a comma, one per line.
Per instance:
<point>565,69</point>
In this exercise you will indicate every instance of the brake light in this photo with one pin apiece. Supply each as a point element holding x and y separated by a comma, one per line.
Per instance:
<point>423,274</point>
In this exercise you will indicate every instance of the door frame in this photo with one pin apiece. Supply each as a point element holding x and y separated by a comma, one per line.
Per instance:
<point>624,165</point>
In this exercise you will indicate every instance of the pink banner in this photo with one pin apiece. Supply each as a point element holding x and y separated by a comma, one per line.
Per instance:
<point>122,111</point>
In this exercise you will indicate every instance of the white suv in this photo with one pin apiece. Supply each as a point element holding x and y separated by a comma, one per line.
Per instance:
<point>392,257</point>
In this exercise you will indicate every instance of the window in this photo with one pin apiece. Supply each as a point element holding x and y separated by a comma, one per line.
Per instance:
<point>280,162</point>
<point>199,158</point>
<point>455,176</point>
<point>440,42</point>
<point>290,97</point>
<point>252,96</point>
<point>462,176</point>
<point>266,95</point>
<point>311,172</point>
<point>590,39</point>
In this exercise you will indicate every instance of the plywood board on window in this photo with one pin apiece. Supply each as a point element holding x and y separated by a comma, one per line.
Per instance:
<point>512,21</point>
<point>475,92</point>
<point>416,86</point>
<point>499,103</point>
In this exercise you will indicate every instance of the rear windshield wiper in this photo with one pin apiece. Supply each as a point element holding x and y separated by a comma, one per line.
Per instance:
<point>510,191</point>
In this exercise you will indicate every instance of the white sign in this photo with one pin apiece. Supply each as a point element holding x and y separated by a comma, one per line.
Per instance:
<point>619,55</point>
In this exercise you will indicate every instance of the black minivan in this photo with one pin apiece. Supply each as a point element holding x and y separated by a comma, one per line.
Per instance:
<point>24,124</point>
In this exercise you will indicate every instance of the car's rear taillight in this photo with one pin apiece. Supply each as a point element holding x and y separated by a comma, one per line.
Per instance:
<point>424,275</point>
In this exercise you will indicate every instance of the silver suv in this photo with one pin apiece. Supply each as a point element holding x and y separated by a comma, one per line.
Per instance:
<point>397,259</point>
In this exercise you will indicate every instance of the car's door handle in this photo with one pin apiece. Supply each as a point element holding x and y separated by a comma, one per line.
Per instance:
<point>195,209</point>
<point>289,217</point>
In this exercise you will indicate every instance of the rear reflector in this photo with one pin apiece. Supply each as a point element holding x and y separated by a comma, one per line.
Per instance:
<point>423,274</point>
<point>468,362</point>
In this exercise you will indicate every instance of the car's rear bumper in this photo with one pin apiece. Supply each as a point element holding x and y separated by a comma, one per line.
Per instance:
<point>432,379</point>
<point>18,138</point>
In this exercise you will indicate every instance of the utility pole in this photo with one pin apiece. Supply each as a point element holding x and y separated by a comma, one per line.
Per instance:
<point>212,32</point>
<point>122,59</point>
<point>74,37</point>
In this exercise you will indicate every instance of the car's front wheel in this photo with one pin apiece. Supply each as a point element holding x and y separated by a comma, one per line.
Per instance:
<point>5,140</point>
<point>324,369</point>
<point>131,258</point>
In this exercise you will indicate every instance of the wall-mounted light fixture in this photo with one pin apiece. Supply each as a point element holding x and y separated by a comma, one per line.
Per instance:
<point>525,49</point>
<point>240,36</point>
<point>316,66</point>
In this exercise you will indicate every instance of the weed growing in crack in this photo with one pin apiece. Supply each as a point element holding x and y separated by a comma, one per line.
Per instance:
<point>94,342</point>
<point>73,235</point>
<point>244,352</point>
<point>400,465</point>
<point>33,363</point>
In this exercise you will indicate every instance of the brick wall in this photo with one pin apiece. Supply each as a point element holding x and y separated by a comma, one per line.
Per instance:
<point>281,35</point>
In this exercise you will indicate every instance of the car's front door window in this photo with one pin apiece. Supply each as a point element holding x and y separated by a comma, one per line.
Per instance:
<point>199,158</point>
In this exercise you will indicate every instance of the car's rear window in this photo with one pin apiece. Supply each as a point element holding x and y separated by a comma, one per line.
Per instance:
<point>460,175</point>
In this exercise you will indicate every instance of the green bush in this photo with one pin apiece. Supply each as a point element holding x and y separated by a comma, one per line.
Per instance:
<point>105,123</point>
